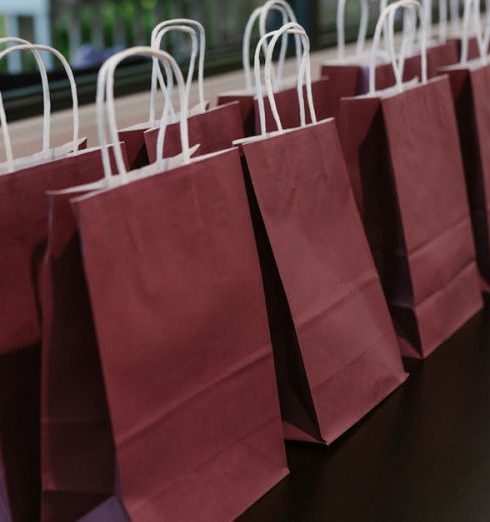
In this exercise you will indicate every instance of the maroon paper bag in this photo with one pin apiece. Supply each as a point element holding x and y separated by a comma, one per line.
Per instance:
<point>184,344</point>
<point>181,330</point>
<point>334,344</point>
<point>469,85</point>
<point>213,130</point>
<point>410,187</point>
<point>77,450</point>
<point>403,154</point>
<point>436,221</point>
<point>318,285</point>
<point>181,325</point>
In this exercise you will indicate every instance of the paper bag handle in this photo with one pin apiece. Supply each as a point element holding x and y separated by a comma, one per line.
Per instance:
<point>179,24</point>
<point>45,86</point>
<point>287,16</point>
<point>486,35</point>
<point>266,8</point>
<point>389,14</point>
<point>363,25</point>
<point>442,21</point>
<point>454,14</point>
<point>105,91</point>
<point>74,96</point>
<point>409,31</point>
<point>304,76</point>
<point>156,72</point>
<point>471,16</point>
<point>247,37</point>
<point>412,8</point>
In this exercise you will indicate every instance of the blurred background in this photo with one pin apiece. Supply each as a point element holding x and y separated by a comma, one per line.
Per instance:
<point>88,31</point>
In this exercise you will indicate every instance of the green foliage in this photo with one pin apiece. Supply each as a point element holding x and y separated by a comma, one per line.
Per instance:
<point>108,13</point>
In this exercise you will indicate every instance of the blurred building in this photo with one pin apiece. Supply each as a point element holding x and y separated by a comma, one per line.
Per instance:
<point>37,11</point>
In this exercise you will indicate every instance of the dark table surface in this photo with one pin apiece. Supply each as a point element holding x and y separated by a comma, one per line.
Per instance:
<point>422,456</point>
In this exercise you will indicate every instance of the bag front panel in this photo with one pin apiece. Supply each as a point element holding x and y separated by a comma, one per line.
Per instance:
<point>183,338</point>
<point>324,263</point>
<point>429,179</point>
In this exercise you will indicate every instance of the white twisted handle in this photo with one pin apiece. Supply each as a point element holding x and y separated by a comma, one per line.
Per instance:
<point>304,76</point>
<point>106,115</point>
<point>73,87</point>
